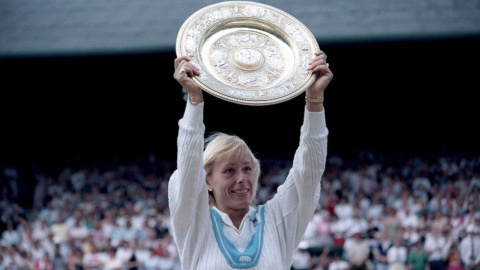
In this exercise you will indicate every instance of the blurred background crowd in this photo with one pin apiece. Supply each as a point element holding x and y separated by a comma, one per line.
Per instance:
<point>376,211</point>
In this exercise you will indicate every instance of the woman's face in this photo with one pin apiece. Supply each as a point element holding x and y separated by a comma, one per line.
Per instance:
<point>232,181</point>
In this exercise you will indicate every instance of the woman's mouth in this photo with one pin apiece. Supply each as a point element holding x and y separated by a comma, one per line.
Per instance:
<point>243,191</point>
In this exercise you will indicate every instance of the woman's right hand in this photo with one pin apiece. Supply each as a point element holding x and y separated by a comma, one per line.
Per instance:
<point>184,71</point>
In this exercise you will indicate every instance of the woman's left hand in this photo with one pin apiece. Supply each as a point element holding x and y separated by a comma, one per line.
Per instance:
<point>319,66</point>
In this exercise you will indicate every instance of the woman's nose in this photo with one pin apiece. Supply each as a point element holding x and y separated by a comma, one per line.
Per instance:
<point>241,177</point>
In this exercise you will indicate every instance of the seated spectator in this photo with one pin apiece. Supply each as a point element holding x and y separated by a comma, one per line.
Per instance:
<point>338,263</point>
<point>343,209</point>
<point>355,222</point>
<point>302,260</point>
<point>391,223</point>
<point>10,237</point>
<point>410,234</point>
<point>142,253</point>
<point>112,262</point>
<point>125,252</point>
<point>417,256</point>
<point>357,250</point>
<point>323,230</point>
<point>470,247</point>
<point>40,229</point>
<point>78,232</point>
<point>380,250</point>
<point>93,258</point>
<point>397,255</point>
<point>434,245</point>
<point>60,229</point>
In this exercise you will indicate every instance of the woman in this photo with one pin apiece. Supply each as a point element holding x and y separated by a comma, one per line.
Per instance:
<point>211,192</point>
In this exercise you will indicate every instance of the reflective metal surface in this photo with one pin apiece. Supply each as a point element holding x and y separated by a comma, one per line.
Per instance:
<point>248,53</point>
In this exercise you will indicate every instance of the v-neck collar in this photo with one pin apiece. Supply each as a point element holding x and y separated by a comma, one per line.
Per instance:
<point>250,256</point>
<point>251,215</point>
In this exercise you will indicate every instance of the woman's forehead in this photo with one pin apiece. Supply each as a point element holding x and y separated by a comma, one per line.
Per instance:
<point>243,159</point>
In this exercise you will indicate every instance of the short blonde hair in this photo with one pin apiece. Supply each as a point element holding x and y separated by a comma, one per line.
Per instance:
<point>222,146</point>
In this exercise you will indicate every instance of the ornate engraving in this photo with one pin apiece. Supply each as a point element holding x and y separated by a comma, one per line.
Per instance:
<point>247,60</point>
<point>248,53</point>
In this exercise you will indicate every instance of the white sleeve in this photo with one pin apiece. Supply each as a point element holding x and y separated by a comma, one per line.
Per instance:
<point>187,194</point>
<point>296,200</point>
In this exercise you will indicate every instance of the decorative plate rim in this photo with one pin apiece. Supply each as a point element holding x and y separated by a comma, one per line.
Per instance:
<point>251,96</point>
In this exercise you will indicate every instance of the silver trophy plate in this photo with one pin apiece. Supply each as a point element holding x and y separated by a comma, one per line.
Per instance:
<point>248,53</point>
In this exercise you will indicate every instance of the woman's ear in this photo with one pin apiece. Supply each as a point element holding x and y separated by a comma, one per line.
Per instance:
<point>209,185</point>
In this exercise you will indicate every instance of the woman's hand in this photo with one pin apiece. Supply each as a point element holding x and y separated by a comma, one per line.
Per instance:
<point>184,71</point>
<point>319,66</point>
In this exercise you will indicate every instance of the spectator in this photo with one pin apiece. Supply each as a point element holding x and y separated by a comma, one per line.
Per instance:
<point>58,261</point>
<point>338,263</point>
<point>130,232</point>
<point>78,232</point>
<point>456,224</point>
<point>454,261</point>
<point>142,253</point>
<point>417,256</point>
<point>10,237</point>
<point>380,251</point>
<point>98,236</point>
<point>323,230</point>
<point>357,250</point>
<point>355,222</point>
<point>397,255</point>
<point>343,209</point>
<point>93,258</point>
<point>434,245</point>
<point>108,223</point>
<point>410,235</point>
<point>391,223</point>
<point>470,249</point>
<point>407,217</point>
<point>125,252</point>
<point>112,262</point>
<point>60,230</point>
<point>44,264</point>
<point>376,209</point>
<point>40,229</point>
<point>302,260</point>
<point>74,259</point>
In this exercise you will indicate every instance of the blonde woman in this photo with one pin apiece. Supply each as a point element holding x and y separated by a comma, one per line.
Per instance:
<point>214,224</point>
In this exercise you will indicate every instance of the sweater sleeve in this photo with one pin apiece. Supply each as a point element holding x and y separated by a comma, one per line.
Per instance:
<point>296,199</point>
<point>187,194</point>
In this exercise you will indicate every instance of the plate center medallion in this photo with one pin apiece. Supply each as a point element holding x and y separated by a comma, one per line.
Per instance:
<point>248,59</point>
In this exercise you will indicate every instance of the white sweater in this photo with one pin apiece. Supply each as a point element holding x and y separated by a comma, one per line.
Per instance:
<point>286,215</point>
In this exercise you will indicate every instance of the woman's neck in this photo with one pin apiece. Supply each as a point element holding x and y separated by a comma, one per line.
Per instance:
<point>235,215</point>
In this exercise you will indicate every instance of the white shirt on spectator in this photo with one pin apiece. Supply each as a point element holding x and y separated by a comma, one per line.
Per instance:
<point>434,246</point>
<point>142,254</point>
<point>124,254</point>
<point>78,232</point>
<point>408,219</point>
<point>338,264</point>
<point>468,245</point>
<point>397,254</point>
<point>343,210</point>
<point>10,238</point>
<point>94,259</point>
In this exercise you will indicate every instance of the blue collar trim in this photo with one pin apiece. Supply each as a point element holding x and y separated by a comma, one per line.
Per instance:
<point>236,259</point>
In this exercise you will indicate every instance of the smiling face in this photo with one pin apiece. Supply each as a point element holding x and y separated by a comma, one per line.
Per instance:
<point>232,173</point>
<point>232,182</point>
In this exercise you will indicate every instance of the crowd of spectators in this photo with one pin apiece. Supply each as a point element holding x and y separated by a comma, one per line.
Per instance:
<point>376,211</point>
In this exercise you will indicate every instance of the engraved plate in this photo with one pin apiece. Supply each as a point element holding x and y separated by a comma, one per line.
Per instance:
<point>248,53</point>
